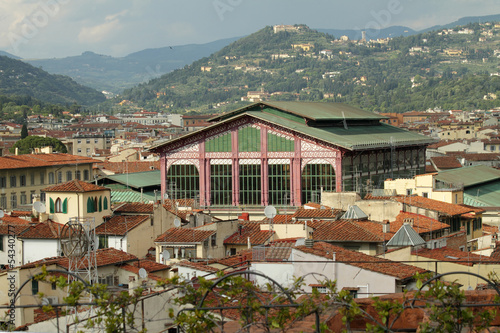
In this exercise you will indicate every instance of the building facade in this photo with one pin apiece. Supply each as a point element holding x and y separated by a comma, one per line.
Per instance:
<point>287,153</point>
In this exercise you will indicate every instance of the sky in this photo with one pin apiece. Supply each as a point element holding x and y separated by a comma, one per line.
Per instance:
<point>59,28</point>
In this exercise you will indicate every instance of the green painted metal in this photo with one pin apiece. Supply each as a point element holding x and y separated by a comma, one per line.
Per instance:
<point>221,144</point>
<point>469,176</point>
<point>249,139</point>
<point>276,143</point>
<point>487,194</point>
<point>138,179</point>
<point>132,196</point>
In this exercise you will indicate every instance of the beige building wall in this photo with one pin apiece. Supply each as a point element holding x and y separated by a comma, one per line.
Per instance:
<point>380,210</point>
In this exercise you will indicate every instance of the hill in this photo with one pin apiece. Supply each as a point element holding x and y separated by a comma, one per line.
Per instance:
<point>112,74</point>
<point>19,78</point>
<point>7,54</point>
<point>452,69</point>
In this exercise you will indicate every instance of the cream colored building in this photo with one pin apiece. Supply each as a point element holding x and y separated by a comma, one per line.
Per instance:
<point>22,177</point>
<point>428,187</point>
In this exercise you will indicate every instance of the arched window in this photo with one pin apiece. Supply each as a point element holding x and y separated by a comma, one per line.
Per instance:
<point>279,183</point>
<point>250,185</point>
<point>90,205</point>
<point>58,205</point>
<point>105,203</point>
<point>183,181</point>
<point>316,177</point>
<point>221,184</point>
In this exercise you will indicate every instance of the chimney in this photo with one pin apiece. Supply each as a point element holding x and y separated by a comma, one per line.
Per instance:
<point>17,151</point>
<point>386,227</point>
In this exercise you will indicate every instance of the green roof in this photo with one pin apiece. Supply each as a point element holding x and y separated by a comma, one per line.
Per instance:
<point>317,111</point>
<point>336,123</point>
<point>484,194</point>
<point>132,196</point>
<point>469,176</point>
<point>138,179</point>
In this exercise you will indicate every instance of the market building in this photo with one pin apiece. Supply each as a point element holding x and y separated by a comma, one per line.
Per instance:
<point>286,154</point>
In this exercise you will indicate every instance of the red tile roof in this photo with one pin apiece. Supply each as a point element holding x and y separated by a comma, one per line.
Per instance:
<point>130,167</point>
<point>16,229</point>
<point>202,266</point>
<point>42,230</point>
<point>120,224</point>
<point>446,162</point>
<point>434,205</point>
<point>249,230</point>
<point>135,207</point>
<point>184,235</point>
<point>459,257</point>
<point>75,186</point>
<point>13,220</point>
<point>317,213</point>
<point>149,265</point>
<point>361,260</point>
<point>42,160</point>
<point>344,231</point>
<point>421,223</point>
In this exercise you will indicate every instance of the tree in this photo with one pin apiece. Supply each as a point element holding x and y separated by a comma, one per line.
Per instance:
<point>27,144</point>
<point>24,131</point>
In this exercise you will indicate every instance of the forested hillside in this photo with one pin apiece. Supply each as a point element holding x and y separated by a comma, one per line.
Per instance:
<point>452,69</point>
<point>20,79</point>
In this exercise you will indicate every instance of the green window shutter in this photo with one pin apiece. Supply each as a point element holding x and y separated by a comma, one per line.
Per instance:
<point>52,209</point>
<point>100,204</point>
<point>105,203</point>
<point>65,206</point>
<point>90,205</point>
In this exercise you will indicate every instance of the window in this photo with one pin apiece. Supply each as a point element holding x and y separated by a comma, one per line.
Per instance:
<point>13,181</point>
<point>22,180</point>
<point>86,175</point>
<point>214,240</point>
<point>103,241</point>
<point>425,194</point>
<point>492,148</point>
<point>232,251</point>
<point>53,286</point>
<point>51,178</point>
<point>79,141</point>
<point>32,196</point>
<point>23,198</point>
<point>456,198</point>
<point>88,141</point>
<point>96,140</point>
<point>78,175</point>
<point>59,177</point>
<point>105,206</point>
<point>1,242</point>
<point>58,205</point>
<point>32,179</point>
<point>69,176</point>
<point>3,201</point>
<point>34,287</point>
<point>13,200</point>
<point>42,178</point>
<point>79,150</point>
<point>87,150</point>
<point>3,182</point>
<point>42,196</point>
<point>409,191</point>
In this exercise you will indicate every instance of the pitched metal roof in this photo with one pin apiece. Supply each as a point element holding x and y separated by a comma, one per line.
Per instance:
<point>131,196</point>
<point>469,176</point>
<point>354,213</point>
<point>342,125</point>
<point>406,236</point>
<point>138,179</point>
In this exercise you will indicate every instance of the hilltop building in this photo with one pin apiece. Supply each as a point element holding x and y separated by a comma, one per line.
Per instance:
<point>287,153</point>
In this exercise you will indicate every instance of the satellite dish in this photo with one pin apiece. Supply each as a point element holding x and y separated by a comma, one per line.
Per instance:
<point>142,273</point>
<point>2,214</point>
<point>39,207</point>
<point>270,212</point>
<point>165,196</point>
<point>177,223</point>
<point>165,254</point>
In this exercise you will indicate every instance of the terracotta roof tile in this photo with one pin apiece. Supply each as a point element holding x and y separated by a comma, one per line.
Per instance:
<point>461,257</point>
<point>135,207</point>
<point>16,229</point>
<point>130,167</point>
<point>344,231</point>
<point>202,266</point>
<point>13,220</point>
<point>421,223</point>
<point>446,162</point>
<point>361,260</point>
<point>184,235</point>
<point>120,224</point>
<point>42,230</point>
<point>41,160</point>
<point>149,265</point>
<point>75,186</point>
<point>317,213</point>
<point>249,230</point>
<point>490,229</point>
<point>434,205</point>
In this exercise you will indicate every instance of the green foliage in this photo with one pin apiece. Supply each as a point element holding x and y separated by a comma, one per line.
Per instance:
<point>21,79</point>
<point>27,145</point>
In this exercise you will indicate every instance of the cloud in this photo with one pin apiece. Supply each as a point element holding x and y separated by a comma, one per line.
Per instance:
<point>104,31</point>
